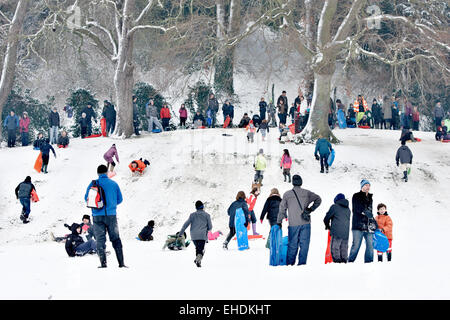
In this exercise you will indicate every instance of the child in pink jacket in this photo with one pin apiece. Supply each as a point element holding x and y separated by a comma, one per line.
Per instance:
<point>285,164</point>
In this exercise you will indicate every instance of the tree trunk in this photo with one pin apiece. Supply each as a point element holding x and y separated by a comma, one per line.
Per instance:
<point>318,121</point>
<point>124,75</point>
<point>223,73</point>
<point>9,63</point>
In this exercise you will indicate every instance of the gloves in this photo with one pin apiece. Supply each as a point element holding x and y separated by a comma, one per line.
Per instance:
<point>397,163</point>
<point>279,224</point>
<point>261,220</point>
<point>281,167</point>
<point>246,224</point>
<point>317,157</point>
<point>308,210</point>
<point>327,227</point>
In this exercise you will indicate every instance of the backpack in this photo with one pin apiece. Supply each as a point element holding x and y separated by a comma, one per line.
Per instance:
<point>96,196</point>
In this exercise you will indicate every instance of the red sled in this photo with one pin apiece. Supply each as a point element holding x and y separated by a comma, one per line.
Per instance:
<point>227,121</point>
<point>103,126</point>
<point>445,141</point>
<point>364,127</point>
<point>61,146</point>
<point>328,258</point>
<point>253,236</point>
<point>34,196</point>
<point>292,128</point>
<point>418,139</point>
<point>94,135</point>
<point>38,163</point>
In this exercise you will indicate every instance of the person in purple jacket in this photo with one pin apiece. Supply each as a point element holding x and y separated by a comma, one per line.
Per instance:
<point>108,156</point>
<point>183,115</point>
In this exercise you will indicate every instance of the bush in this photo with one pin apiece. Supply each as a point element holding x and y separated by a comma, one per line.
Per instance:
<point>198,98</point>
<point>144,92</point>
<point>78,100</point>
<point>38,112</point>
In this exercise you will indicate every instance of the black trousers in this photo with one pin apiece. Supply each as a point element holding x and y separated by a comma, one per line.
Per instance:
<point>230,234</point>
<point>324,161</point>
<point>11,138</point>
<point>199,246</point>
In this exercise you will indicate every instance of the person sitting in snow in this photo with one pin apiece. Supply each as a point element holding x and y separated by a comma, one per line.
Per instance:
<point>407,135</point>
<point>138,166</point>
<point>244,121</point>
<point>176,242</point>
<point>364,121</point>
<point>404,157</point>
<point>63,140</point>
<point>285,134</point>
<point>75,244</point>
<point>441,131</point>
<point>86,229</point>
<point>199,120</point>
<point>146,232</point>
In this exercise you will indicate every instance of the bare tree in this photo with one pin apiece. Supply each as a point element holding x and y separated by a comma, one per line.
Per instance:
<point>339,33</point>
<point>10,57</point>
<point>111,25</point>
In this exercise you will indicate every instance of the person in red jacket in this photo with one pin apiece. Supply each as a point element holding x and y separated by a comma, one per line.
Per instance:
<point>251,201</point>
<point>138,166</point>
<point>165,116</point>
<point>24,124</point>
<point>416,119</point>
<point>385,224</point>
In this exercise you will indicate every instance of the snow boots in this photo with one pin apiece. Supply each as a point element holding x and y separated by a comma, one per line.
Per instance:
<point>198,260</point>
<point>380,258</point>
<point>119,255</point>
<point>225,246</point>
<point>44,168</point>
<point>405,176</point>
<point>388,254</point>
<point>254,229</point>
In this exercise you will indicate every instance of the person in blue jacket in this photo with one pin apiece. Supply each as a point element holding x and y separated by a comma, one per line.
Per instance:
<point>239,203</point>
<point>323,147</point>
<point>105,219</point>
<point>11,123</point>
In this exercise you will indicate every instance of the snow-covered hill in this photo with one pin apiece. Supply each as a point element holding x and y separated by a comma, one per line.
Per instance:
<point>190,165</point>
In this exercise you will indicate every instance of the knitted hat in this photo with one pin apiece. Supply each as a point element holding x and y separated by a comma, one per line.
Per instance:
<point>339,196</point>
<point>297,180</point>
<point>28,179</point>
<point>199,205</point>
<point>86,216</point>
<point>364,182</point>
<point>261,150</point>
<point>151,223</point>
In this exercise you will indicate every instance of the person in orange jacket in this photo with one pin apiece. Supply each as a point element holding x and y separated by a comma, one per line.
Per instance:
<point>385,224</point>
<point>165,116</point>
<point>360,107</point>
<point>138,165</point>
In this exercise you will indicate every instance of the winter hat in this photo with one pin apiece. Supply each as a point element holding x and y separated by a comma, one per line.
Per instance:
<point>261,150</point>
<point>28,179</point>
<point>339,196</point>
<point>364,182</point>
<point>86,216</point>
<point>101,169</point>
<point>297,180</point>
<point>199,205</point>
<point>151,223</point>
<point>74,227</point>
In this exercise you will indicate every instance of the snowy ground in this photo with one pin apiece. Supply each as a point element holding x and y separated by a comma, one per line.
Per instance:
<point>204,165</point>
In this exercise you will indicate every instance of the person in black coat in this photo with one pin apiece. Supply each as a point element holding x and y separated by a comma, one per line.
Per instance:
<point>256,120</point>
<point>244,121</point>
<point>38,141</point>
<point>109,113</point>
<point>271,208</point>
<point>146,232</point>
<point>362,222</point>
<point>339,216</point>
<point>90,114</point>
<point>239,203</point>
<point>377,114</point>
<point>76,246</point>
<point>262,109</point>
<point>199,116</point>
